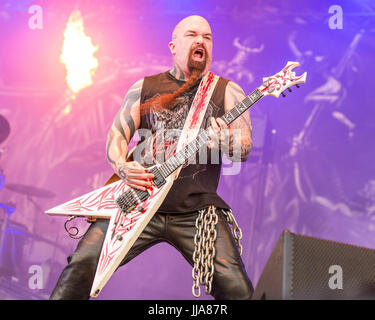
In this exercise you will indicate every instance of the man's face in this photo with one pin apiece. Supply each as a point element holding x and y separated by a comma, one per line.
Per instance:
<point>191,46</point>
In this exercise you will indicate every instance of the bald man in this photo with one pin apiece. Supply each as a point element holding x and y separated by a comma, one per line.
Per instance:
<point>193,194</point>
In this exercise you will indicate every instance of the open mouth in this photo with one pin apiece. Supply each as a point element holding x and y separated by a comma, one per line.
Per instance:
<point>198,53</point>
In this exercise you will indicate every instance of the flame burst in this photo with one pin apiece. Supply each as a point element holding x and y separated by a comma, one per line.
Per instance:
<point>78,54</point>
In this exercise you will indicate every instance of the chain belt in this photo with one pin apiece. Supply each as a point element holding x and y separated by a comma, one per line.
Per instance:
<point>204,246</point>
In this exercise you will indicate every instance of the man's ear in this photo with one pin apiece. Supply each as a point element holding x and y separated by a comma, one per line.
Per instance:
<point>172,47</point>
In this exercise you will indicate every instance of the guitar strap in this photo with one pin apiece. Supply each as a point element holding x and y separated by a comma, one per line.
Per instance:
<point>197,111</point>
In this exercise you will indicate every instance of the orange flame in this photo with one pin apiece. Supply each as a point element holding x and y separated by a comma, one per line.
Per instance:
<point>78,54</point>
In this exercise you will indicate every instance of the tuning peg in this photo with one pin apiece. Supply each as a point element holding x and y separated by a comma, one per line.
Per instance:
<point>283,94</point>
<point>297,85</point>
<point>290,90</point>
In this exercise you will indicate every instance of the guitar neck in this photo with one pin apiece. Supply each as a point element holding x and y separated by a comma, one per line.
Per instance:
<point>175,161</point>
<point>241,107</point>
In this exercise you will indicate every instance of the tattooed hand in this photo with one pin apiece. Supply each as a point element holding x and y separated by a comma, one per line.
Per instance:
<point>134,175</point>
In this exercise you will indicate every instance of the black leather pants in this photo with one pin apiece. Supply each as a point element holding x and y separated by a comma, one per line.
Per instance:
<point>230,280</point>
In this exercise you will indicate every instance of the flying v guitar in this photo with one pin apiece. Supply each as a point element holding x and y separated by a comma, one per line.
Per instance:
<point>130,210</point>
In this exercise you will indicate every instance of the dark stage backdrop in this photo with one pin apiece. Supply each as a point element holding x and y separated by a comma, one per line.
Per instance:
<point>53,139</point>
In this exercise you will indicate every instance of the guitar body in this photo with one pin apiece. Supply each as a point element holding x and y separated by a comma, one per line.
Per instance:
<point>123,231</point>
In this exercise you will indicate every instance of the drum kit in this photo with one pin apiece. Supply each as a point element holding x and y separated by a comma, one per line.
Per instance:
<point>13,235</point>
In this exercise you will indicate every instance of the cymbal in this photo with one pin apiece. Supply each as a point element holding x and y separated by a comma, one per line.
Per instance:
<point>4,128</point>
<point>30,190</point>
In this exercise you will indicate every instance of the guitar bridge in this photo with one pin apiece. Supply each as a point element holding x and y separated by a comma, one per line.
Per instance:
<point>126,202</point>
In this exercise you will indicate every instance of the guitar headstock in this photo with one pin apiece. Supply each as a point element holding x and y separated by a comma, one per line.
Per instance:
<point>275,85</point>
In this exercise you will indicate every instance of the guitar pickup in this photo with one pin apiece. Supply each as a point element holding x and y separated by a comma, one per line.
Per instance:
<point>158,177</point>
<point>141,194</point>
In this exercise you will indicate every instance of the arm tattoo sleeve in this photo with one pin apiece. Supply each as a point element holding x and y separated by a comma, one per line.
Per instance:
<point>124,117</point>
<point>123,127</point>
<point>243,123</point>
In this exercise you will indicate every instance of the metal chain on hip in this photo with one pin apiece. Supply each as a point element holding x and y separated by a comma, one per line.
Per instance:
<point>236,230</point>
<point>204,247</point>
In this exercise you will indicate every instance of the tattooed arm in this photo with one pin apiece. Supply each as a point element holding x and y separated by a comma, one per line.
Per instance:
<point>125,124</point>
<point>240,129</point>
<point>235,141</point>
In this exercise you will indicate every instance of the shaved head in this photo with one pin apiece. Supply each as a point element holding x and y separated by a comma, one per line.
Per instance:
<point>191,46</point>
<point>179,28</point>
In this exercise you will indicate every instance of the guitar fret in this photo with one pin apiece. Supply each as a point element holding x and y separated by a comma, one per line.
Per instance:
<point>176,161</point>
<point>181,157</point>
<point>173,161</point>
<point>235,112</point>
<point>167,172</point>
<point>172,164</point>
<point>242,107</point>
<point>178,158</point>
<point>247,101</point>
<point>168,166</point>
<point>190,150</point>
<point>162,169</point>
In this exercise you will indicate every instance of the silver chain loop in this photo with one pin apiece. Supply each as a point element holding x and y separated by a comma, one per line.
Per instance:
<point>204,252</point>
<point>236,230</point>
<point>204,247</point>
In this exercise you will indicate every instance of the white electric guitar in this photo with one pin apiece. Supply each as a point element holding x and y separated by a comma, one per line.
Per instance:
<point>130,210</point>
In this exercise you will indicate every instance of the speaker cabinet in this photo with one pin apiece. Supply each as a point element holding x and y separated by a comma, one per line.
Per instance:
<point>302,267</point>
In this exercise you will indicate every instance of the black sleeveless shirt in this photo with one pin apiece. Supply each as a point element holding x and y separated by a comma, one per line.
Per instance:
<point>196,186</point>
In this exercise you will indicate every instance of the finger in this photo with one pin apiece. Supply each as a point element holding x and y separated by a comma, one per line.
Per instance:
<point>136,167</point>
<point>142,183</point>
<point>224,130</point>
<point>139,172</point>
<point>215,128</point>
<point>214,124</point>
<point>209,144</point>
<point>211,132</point>
<point>213,143</point>
<point>140,175</point>
<point>214,136</point>
<point>134,186</point>
<point>221,123</point>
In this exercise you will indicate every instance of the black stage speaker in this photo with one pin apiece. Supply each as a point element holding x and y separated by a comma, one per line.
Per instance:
<point>302,267</point>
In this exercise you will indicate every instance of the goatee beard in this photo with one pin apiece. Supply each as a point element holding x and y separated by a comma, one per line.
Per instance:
<point>197,66</point>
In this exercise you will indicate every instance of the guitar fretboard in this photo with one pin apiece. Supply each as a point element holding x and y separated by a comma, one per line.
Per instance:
<point>193,147</point>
